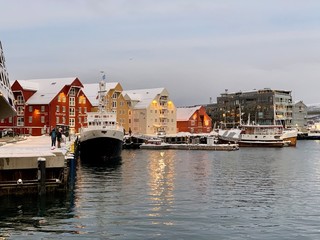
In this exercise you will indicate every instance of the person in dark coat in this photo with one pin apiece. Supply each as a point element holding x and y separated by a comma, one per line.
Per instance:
<point>53,135</point>
<point>59,137</point>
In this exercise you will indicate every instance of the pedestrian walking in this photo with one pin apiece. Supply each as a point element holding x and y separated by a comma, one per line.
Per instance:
<point>53,135</point>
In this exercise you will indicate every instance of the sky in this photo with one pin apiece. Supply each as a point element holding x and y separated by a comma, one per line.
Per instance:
<point>196,49</point>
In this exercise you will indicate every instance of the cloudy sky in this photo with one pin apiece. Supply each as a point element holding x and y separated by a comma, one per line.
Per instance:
<point>194,48</point>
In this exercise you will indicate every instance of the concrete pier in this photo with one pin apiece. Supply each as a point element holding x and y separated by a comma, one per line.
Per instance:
<point>19,166</point>
<point>214,147</point>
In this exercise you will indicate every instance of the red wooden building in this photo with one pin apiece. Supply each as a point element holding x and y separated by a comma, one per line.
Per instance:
<point>193,120</point>
<point>46,103</point>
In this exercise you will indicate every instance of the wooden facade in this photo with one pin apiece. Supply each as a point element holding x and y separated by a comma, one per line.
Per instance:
<point>193,120</point>
<point>46,103</point>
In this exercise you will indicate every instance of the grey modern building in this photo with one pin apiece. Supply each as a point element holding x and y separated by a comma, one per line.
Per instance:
<point>262,107</point>
<point>300,111</point>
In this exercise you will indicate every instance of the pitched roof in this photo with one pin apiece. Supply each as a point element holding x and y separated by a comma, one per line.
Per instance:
<point>185,113</point>
<point>91,91</point>
<point>143,96</point>
<point>46,89</point>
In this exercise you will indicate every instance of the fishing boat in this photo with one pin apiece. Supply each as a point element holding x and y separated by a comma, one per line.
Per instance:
<point>102,138</point>
<point>254,136</point>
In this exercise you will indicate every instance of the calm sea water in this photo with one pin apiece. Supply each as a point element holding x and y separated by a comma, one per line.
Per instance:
<point>252,193</point>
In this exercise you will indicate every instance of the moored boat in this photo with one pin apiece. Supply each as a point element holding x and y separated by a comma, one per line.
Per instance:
<point>154,143</point>
<point>254,136</point>
<point>313,134</point>
<point>7,108</point>
<point>289,136</point>
<point>102,138</point>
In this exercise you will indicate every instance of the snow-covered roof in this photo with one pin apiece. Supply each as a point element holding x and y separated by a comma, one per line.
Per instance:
<point>91,91</point>
<point>46,89</point>
<point>28,85</point>
<point>144,97</point>
<point>313,107</point>
<point>185,113</point>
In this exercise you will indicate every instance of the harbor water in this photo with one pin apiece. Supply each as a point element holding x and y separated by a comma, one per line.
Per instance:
<point>252,193</point>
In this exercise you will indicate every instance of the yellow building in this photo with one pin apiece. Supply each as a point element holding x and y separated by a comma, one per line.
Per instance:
<point>150,111</point>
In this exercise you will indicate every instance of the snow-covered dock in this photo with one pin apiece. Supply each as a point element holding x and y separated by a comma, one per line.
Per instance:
<point>23,159</point>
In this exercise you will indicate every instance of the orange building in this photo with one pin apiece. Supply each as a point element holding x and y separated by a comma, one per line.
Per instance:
<point>45,103</point>
<point>193,120</point>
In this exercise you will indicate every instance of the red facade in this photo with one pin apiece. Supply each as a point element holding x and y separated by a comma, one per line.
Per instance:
<point>197,122</point>
<point>62,105</point>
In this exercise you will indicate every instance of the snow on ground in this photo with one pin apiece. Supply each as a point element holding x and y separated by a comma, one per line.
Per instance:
<point>31,146</point>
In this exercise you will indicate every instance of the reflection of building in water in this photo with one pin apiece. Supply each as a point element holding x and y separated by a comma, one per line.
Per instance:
<point>161,183</point>
<point>6,96</point>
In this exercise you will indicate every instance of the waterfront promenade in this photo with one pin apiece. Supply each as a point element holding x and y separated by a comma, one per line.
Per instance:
<point>29,165</point>
<point>20,146</point>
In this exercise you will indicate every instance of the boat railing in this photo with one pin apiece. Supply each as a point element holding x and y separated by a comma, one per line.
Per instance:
<point>113,127</point>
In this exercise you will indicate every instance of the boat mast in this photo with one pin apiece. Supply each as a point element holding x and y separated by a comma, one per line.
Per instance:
<point>240,118</point>
<point>101,94</point>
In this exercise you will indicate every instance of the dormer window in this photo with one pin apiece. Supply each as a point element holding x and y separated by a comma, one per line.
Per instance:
<point>72,92</point>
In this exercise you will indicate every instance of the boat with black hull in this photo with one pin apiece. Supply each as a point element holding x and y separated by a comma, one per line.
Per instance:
<point>101,140</point>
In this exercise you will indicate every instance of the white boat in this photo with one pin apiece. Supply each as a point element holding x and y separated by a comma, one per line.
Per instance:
<point>7,108</point>
<point>254,136</point>
<point>102,137</point>
<point>154,143</point>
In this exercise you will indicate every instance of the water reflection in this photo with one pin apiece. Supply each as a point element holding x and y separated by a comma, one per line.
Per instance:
<point>161,171</point>
<point>35,213</point>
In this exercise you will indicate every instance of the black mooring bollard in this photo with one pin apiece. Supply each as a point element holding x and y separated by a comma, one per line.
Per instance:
<point>42,176</point>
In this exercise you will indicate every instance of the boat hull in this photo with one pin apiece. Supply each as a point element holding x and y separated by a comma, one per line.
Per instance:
<point>100,145</point>
<point>290,137</point>
<point>309,136</point>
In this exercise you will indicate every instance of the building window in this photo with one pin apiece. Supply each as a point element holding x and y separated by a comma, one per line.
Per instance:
<point>79,110</point>
<point>71,122</point>
<point>30,108</point>
<point>57,120</point>
<point>63,120</point>
<point>72,111</point>
<point>82,100</point>
<point>42,108</point>
<point>71,101</point>
<point>57,108</point>
<point>20,110</point>
<point>79,119</point>
<point>20,121</point>
<point>63,108</point>
<point>42,119</point>
<point>114,104</point>
<point>85,109</point>
<point>20,100</point>
<point>64,99</point>
<point>30,119</point>
<point>72,91</point>
<point>85,120</point>
<point>114,96</point>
